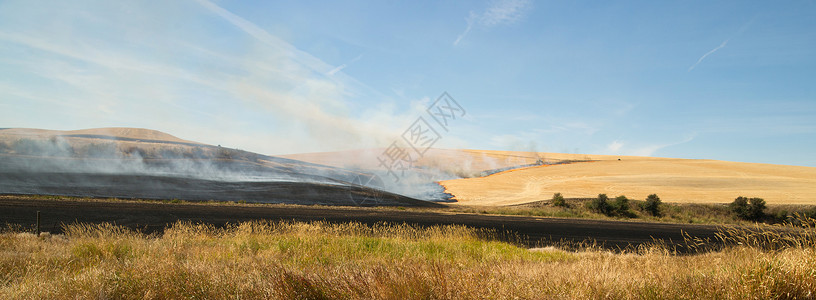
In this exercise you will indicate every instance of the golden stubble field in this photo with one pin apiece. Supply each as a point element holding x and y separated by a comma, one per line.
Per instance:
<point>674,180</point>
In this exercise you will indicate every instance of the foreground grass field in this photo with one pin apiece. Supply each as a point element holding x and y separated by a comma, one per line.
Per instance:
<point>287,260</point>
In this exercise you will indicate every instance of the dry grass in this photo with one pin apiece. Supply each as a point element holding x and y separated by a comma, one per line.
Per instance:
<point>386,261</point>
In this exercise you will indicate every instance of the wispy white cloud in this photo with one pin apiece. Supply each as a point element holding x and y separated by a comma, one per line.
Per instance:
<point>614,146</point>
<point>304,58</point>
<point>651,149</point>
<point>268,97</point>
<point>505,12</point>
<point>707,54</point>
<point>343,66</point>
<point>500,12</point>
<point>337,69</point>
<point>265,37</point>
<point>570,127</point>
<point>470,20</point>
<point>522,141</point>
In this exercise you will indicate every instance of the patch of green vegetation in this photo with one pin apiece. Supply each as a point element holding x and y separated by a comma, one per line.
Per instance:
<point>600,205</point>
<point>653,209</point>
<point>652,205</point>
<point>619,208</point>
<point>748,209</point>
<point>558,200</point>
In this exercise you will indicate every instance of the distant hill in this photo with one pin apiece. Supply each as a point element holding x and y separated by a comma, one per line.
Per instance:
<point>122,133</point>
<point>520,177</point>
<point>143,163</point>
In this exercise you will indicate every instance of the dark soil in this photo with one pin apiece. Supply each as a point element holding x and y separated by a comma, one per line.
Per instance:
<point>528,231</point>
<point>132,186</point>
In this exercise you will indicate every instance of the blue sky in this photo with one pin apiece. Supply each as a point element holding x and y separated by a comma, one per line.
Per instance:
<point>729,80</point>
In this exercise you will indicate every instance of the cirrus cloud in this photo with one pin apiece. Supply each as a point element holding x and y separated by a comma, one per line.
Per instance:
<point>502,12</point>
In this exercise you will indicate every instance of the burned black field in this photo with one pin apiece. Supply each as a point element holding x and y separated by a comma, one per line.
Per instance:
<point>153,217</point>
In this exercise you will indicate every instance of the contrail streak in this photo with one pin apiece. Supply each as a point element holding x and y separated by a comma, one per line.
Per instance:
<point>461,36</point>
<point>707,54</point>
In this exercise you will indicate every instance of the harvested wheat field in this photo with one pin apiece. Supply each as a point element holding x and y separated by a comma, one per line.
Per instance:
<point>676,180</point>
<point>583,176</point>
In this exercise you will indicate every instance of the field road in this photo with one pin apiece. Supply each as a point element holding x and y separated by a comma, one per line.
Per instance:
<point>529,231</point>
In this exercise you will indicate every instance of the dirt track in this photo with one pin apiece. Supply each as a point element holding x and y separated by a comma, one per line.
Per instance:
<point>152,217</point>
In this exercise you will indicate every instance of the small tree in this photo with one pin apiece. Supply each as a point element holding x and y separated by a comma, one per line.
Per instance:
<point>558,200</point>
<point>652,205</point>
<point>600,205</point>
<point>622,205</point>
<point>740,207</point>
<point>757,208</point>
<point>748,209</point>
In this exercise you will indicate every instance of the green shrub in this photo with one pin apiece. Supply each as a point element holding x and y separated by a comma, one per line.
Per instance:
<point>621,207</point>
<point>757,208</point>
<point>600,205</point>
<point>621,203</point>
<point>740,207</point>
<point>652,205</point>
<point>558,200</point>
<point>748,209</point>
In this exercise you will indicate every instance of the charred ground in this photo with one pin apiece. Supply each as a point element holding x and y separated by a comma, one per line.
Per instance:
<point>527,231</point>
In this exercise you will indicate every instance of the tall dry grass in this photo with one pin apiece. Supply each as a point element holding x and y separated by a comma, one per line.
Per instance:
<point>289,260</point>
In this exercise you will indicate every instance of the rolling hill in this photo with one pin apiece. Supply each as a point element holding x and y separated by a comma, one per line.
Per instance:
<point>484,177</point>
<point>142,163</point>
